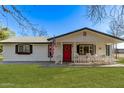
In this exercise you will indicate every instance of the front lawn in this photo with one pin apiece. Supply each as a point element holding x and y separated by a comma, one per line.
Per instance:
<point>13,75</point>
<point>121,60</point>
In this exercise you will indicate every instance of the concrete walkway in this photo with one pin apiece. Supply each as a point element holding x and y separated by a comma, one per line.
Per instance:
<point>113,65</point>
<point>52,64</point>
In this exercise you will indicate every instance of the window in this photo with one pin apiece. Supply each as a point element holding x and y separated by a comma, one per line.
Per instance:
<point>107,50</point>
<point>83,49</point>
<point>23,49</point>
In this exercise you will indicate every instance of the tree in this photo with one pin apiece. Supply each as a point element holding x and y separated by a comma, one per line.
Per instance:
<point>117,27</point>
<point>26,26</point>
<point>4,34</point>
<point>98,13</point>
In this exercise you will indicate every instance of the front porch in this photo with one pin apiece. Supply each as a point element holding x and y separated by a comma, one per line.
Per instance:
<point>85,46</point>
<point>84,53</point>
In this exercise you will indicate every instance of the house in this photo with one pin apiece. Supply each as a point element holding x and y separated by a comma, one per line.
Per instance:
<point>82,45</point>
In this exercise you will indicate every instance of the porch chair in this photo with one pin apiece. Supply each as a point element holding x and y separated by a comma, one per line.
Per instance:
<point>89,58</point>
<point>76,57</point>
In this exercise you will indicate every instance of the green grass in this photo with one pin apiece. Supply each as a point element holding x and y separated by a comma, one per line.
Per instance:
<point>13,75</point>
<point>121,60</point>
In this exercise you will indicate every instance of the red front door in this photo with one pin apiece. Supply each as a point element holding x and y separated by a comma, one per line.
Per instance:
<point>67,52</point>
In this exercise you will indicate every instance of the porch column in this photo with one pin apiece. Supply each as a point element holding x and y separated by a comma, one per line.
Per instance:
<point>113,52</point>
<point>74,52</point>
<point>61,52</point>
<point>55,54</point>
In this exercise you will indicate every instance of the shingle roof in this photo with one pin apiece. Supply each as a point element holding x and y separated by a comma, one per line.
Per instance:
<point>26,40</point>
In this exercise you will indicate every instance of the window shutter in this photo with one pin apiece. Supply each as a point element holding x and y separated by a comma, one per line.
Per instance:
<point>94,49</point>
<point>107,50</point>
<point>78,49</point>
<point>16,49</point>
<point>49,50</point>
<point>31,49</point>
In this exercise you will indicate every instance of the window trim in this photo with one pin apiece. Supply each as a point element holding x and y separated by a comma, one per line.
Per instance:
<point>23,53</point>
<point>93,47</point>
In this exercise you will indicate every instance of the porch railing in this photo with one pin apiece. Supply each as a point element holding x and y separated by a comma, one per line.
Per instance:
<point>95,59</point>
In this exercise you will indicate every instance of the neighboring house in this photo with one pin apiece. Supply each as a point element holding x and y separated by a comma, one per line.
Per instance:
<point>119,51</point>
<point>77,46</point>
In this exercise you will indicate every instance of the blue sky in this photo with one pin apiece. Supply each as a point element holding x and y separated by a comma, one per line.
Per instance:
<point>56,19</point>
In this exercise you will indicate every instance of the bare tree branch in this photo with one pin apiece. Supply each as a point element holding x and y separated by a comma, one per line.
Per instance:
<point>96,13</point>
<point>22,21</point>
<point>117,26</point>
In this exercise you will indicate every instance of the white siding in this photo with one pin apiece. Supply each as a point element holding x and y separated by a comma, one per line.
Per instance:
<point>40,53</point>
<point>101,49</point>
